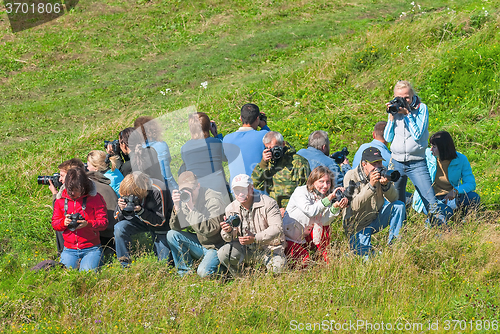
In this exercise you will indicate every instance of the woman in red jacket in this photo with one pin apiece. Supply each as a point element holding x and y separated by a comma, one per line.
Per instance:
<point>80,214</point>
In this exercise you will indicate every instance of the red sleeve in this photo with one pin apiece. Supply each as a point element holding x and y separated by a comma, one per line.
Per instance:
<point>100,221</point>
<point>58,215</point>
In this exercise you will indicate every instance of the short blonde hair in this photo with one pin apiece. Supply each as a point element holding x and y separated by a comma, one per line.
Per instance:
<point>136,183</point>
<point>98,160</point>
<point>404,84</point>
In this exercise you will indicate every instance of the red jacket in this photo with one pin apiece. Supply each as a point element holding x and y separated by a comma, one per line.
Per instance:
<point>95,214</point>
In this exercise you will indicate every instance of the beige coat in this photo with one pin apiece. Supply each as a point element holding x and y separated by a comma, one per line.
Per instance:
<point>366,202</point>
<point>263,220</point>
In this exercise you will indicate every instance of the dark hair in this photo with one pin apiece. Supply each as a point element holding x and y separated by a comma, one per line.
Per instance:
<point>199,125</point>
<point>150,129</point>
<point>316,174</point>
<point>77,180</point>
<point>445,145</point>
<point>379,129</point>
<point>71,163</point>
<point>249,113</point>
<point>124,135</point>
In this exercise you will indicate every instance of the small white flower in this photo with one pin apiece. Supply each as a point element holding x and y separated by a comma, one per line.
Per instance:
<point>162,92</point>
<point>412,3</point>
<point>408,48</point>
<point>204,84</point>
<point>418,7</point>
<point>172,318</point>
<point>168,90</point>
<point>297,104</point>
<point>234,121</point>
<point>302,61</point>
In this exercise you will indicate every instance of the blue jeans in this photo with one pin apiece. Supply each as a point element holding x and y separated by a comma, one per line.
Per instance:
<point>125,229</point>
<point>185,248</point>
<point>465,201</point>
<point>90,257</point>
<point>419,175</point>
<point>391,214</point>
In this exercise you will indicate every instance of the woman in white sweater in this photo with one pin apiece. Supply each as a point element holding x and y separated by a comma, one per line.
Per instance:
<point>308,215</point>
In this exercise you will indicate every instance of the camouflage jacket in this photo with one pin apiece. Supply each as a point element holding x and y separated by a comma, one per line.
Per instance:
<point>279,179</point>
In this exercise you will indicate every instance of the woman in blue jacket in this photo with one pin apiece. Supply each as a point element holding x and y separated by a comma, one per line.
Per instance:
<point>451,174</point>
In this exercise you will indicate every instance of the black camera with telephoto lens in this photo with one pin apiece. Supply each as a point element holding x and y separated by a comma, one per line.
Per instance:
<point>340,156</point>
<point>129,210</point>
<point>75,217</point>
<point>233,220</point>
<point>185,195</point>
<point>44,180</point>
<point>277,152</point>
<point>263,117</point>
<point>395,104</point>
<point>391,175</point>
<point>347,193</point>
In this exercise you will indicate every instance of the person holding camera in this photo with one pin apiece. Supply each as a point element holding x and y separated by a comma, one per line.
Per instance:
<point>281,170</point>
<point>98,161</point>
<point>202,209</point>
<point>56,187</point>
<point>144,206</point>
<point>308,215</point>
<point>407,130</point>
<point>80,214</point>
<point>317,154</point>
<point>451,174</point>
<point>244,147</point>
<point>151,138</point>
<point>253,229</point>
<point>374,204</point>
<point>204,155</point>
<point>121,151</point>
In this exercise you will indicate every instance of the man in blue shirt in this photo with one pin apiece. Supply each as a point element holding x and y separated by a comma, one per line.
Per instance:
<point>318,154</point>
<point>244,147</point>
<point>378,142</point>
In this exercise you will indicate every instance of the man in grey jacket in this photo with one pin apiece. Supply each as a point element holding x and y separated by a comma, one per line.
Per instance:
<point>257,234</point>
<point>374,204</point>
<point>201,209</point>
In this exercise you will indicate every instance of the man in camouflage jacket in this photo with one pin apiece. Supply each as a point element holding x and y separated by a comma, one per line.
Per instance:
<point>281,170</point>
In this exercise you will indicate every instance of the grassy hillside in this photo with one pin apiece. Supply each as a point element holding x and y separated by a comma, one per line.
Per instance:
<point>71,83</point>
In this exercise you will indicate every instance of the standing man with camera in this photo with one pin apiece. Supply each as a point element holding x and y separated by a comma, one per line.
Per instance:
<point>281,170</point>
<point>144,205</point>
<point>246,141</point>
<point>374,203</point>
<point>253,229</point>
<point>407,130</point>
<point>202,209</point>
<point>317,154</point>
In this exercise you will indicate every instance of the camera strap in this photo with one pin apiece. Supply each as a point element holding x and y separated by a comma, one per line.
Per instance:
<point>84,205</point>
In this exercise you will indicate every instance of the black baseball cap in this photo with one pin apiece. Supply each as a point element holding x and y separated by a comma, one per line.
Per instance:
<point>372,154</point>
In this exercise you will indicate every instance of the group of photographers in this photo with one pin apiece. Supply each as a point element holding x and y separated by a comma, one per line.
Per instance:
<point>284,201</point>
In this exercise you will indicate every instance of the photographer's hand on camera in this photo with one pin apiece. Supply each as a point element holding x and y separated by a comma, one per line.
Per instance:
<point>81,223</point>
<point>121,203</point>
<point>374,177</point>
<point>225,226</point>
<point>267,155</point>
<point>52,188</point>
<point>262,120</point>
<point>344,202</point>
<point>213,128</point>
<point>176,198</point>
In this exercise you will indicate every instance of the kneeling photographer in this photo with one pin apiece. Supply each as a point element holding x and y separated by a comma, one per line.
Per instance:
<point>80,214</point>
<point>374,204</point>
<point>144,206</point>
<point>253,229</point>
<point>281,169</point>
<point>202,209</point>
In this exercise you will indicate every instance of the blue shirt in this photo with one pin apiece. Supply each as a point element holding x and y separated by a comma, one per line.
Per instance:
<point>116,177</point>
<point>386,153</point>
<point>243,150</point>
<point>317,158</point>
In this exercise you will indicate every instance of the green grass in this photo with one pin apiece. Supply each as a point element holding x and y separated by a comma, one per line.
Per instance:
<point>71,83</point>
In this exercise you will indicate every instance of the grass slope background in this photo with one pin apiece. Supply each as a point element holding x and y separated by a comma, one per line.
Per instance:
<point>71,83</point>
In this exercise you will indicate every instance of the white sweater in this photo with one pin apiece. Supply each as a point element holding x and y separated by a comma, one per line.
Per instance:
<point>303,211</point>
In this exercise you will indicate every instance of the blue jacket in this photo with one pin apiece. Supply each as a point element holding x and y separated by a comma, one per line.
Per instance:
<point>386,153</point>
<point>459,175</point>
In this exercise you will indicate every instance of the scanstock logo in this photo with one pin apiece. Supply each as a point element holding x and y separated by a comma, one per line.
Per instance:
<point>25,14</point>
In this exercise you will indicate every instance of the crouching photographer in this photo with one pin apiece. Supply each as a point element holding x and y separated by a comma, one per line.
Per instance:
<point>253,229</point>
<point>144,206</point>
<point>80,213</point>
<point>374,204</point>
<point>119,150</point>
